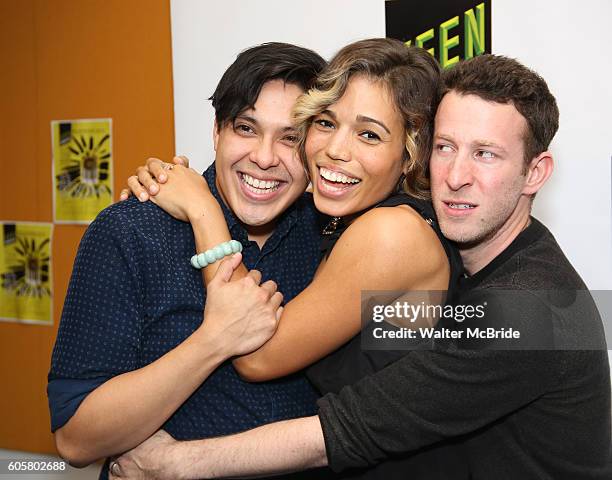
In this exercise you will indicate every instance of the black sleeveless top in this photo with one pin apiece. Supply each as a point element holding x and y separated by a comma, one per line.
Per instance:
<point>350,363</point>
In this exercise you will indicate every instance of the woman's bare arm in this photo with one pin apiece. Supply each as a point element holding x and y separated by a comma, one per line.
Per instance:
<point>390,248</point>
<point>384,249</point>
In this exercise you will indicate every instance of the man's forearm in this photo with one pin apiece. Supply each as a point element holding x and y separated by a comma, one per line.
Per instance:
<point>129,408</point>
<point>276,448</point>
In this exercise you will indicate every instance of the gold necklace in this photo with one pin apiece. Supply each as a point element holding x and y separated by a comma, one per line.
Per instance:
<point>331,226</point>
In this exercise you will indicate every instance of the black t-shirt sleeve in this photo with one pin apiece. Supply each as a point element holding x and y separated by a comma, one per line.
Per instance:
<point>430,396</point>
<point>426,397</point>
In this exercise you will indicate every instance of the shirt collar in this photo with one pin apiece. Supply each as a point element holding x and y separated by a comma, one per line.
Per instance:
<point>534,231</point>
<point>286,221</point>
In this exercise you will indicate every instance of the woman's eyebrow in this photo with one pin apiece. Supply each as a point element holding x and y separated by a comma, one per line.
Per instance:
<point>363,118</point>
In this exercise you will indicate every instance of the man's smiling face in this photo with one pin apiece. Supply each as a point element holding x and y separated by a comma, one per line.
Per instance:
<point>259,174</point>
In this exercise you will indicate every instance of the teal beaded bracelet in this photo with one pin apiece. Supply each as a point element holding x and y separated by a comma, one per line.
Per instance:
<point>224,249</point>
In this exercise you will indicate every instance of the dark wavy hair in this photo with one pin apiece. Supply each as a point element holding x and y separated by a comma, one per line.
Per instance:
<point>241,83</point>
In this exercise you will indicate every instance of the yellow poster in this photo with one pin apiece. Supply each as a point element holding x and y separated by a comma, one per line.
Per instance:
<point>25,272</point>
<point>82,169</point>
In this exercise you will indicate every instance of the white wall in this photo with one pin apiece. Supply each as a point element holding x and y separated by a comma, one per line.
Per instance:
<point>207,36</point>
<point>567,43</point>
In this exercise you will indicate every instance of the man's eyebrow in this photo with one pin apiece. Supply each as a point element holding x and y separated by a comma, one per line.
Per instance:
<point>248,118</point>
<point>253,120</point>
<point>441,136</point>
<point>363,118</point>
<point>476,143</point>
<point>488,143</point>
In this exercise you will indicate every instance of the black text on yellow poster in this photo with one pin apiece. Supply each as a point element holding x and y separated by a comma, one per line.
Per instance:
<point>25,272</point>
<point>82,169</point>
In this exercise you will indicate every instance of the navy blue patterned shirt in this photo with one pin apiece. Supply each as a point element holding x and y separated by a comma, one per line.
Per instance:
<point>134,296</point>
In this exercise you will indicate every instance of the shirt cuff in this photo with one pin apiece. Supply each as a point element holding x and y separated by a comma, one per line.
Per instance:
<point>65,396</point>
<point>334,436</point>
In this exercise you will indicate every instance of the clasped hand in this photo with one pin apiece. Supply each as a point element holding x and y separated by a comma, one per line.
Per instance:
<point>153,459</point>
<point>239,317</point>
<point>185,194</point>
<point>241,314</point>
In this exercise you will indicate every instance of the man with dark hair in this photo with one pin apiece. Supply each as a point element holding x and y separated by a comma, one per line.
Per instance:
<point>242,82</point>
<point>132,350</point>
<point>539,411</point>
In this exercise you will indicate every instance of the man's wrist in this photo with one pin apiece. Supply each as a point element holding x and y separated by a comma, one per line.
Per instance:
<point>187,460</point>
<point>211,343</point>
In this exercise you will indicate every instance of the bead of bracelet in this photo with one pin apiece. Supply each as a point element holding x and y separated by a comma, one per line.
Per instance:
<point>216,253</point>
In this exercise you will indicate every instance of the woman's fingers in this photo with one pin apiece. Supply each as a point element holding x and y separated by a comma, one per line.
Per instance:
<point>137,189</point>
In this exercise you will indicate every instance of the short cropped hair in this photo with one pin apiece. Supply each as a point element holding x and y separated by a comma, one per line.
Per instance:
<point>410,75</point>
<point>241,83</point>
<point>500,79</point>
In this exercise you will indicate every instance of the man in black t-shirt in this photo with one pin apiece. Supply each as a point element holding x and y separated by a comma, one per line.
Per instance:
<point>532,413</point>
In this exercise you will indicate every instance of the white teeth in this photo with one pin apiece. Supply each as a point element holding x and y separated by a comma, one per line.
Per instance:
<point>460,206</point>
<point>337,177</point>
<point>260,186</point>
